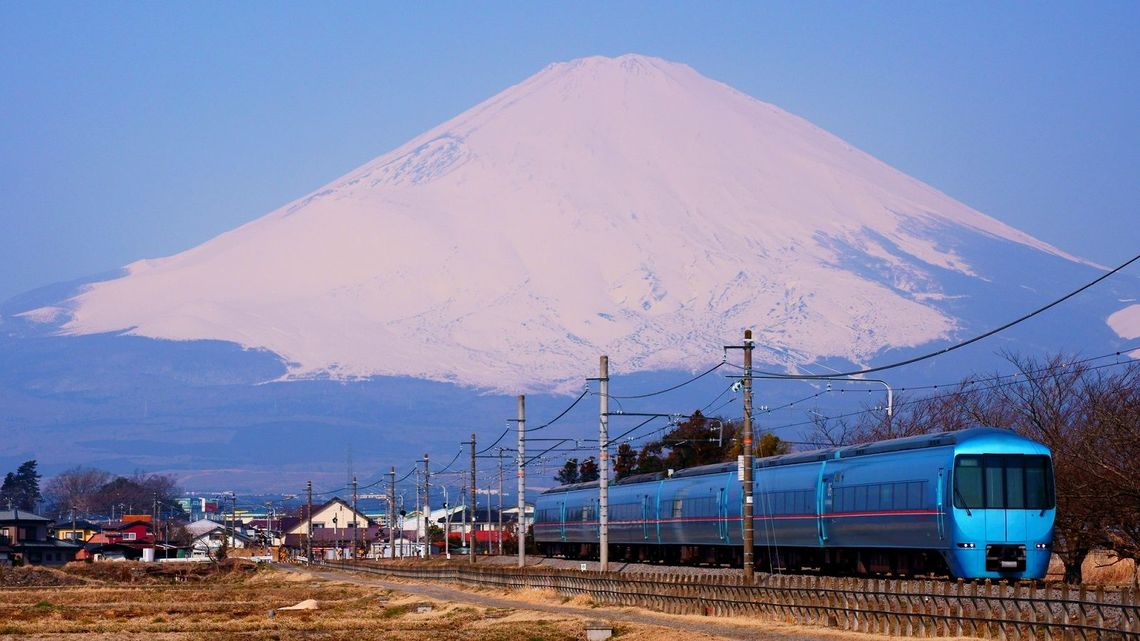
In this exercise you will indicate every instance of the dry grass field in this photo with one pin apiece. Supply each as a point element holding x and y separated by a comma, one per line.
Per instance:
<point>130,600</point>
<point>1099,568</point>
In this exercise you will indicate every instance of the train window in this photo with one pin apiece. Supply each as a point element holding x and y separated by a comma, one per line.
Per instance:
<point>1014,482</point>
<point>886,497</point>
<point>1038,483</point>
<point>873,498</point>
<point>861,498</point>
<point>995,482</point>
<point>968,483</point>
<point>914,495</point>
<point>677,505</point>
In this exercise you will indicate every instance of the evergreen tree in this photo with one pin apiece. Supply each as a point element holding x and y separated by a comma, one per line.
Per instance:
<point>21,490</point>
<point>569,472</point>
<point>699,440</point>
<point>625,462</point>
<point>588,471</point>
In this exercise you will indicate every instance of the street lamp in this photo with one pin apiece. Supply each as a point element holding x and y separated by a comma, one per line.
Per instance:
<point>269,525</point>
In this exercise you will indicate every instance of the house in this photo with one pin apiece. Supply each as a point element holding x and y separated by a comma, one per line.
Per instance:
<point>337,543</point>
<point>334,515</point>
<point>479,524</point>
<point>120,540</point>
<point>333,525</point>
<point>27,538</point>
<point>134,531</point>
<point>78,530</point>
<point>207,537</point>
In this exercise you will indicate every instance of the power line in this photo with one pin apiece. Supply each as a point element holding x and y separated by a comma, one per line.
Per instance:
<point>970,341</point>
<point>564,413</point>
<point>670,389</point>
<point>961,390</point>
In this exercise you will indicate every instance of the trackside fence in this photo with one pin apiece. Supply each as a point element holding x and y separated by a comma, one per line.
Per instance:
<point>921,608</point>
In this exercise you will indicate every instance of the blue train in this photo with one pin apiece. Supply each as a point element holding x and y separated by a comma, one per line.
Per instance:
<point>977,503</point>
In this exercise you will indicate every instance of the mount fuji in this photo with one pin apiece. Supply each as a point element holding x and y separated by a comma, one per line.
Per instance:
<point>625,206</point>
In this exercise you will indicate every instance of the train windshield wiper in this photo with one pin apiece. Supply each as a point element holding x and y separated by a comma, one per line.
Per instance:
<point>966,505</point>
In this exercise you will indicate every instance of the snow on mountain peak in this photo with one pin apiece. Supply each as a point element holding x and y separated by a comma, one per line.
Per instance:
<point>627,206</point>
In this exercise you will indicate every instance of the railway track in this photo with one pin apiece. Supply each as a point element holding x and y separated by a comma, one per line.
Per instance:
<point>910,607</point>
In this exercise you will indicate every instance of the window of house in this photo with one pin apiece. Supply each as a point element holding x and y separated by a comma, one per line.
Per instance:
<point>128,536</point>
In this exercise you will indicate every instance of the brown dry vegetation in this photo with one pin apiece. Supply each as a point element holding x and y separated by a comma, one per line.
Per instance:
<point>233,601</point>
<point>1100,567</point>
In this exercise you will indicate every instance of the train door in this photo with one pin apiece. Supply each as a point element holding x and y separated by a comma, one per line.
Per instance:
<point>722,515</point>
<point>823,502</point>
<point>940,516</point>
<point>657,513</point>
<point>562,520</point>
<point>645,517</point>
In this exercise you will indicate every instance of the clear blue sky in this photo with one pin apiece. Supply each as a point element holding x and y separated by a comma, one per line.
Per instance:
<point>131,130</point>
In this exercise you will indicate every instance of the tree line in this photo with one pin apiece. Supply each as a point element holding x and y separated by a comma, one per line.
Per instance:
<point>86,491</point>
<point>698,440</point>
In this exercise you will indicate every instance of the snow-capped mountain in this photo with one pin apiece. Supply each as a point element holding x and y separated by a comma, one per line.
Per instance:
<point>625,206</point>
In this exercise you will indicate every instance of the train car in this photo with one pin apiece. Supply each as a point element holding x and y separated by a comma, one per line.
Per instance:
<point>978,503</point>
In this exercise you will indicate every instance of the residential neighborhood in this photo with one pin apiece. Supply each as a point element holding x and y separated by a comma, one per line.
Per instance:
<point>333,530</point>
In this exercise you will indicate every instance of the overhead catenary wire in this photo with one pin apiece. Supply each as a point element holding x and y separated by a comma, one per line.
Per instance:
<point>970,341</point>
<point>670,389</point>
<point>958,385</point>
<point>563,413</point>
<point>961,390</point>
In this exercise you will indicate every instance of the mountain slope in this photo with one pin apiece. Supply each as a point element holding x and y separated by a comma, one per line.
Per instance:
<point>625,206</point>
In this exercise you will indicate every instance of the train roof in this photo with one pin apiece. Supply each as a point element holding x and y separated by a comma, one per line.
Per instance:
<point>919,442</point>
<point>984,437</point>
<point>571,487</point>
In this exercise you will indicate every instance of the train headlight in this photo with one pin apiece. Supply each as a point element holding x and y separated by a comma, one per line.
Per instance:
<point>1042,546</point>
<point>968,546</point>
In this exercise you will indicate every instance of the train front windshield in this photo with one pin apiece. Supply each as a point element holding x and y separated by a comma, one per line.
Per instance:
<point>1003,481</point>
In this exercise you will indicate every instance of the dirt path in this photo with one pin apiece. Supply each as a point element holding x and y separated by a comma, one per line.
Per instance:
<point>719,630</point>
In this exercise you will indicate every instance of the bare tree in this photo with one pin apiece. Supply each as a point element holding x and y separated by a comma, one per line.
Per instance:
<point>76,489</point>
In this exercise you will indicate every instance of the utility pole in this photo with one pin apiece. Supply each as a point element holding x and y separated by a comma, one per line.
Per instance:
<point>419,510</point>
<point>603,465</point>
<point>522,481</point>
<point>747,476</point>
<point>500,501</point>
<point>354,528</point>
<point>233,520</point>
<point>427,508</point>
<point>309,526</point>
<point>392,511</point>
<point>471,548</point>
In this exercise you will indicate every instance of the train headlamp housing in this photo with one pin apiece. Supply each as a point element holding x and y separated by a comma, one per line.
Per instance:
<point>1042,546</point>
<point>968,546</point>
